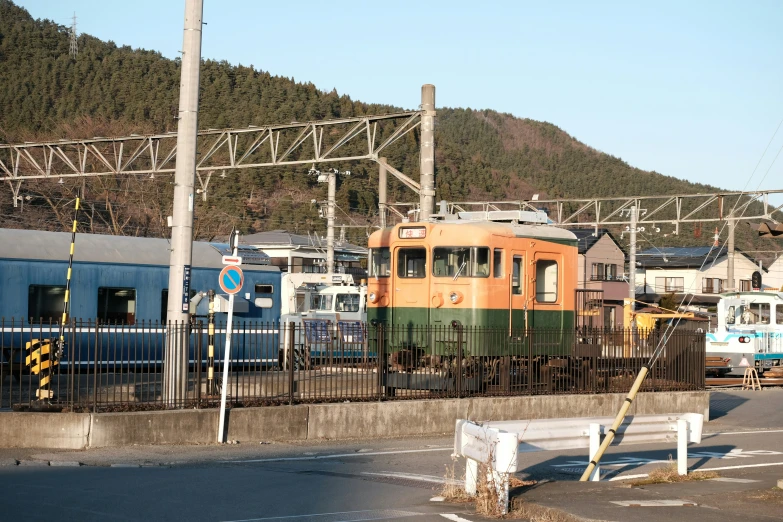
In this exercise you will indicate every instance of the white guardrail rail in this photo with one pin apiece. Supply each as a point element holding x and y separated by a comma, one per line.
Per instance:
<point>500,444</point>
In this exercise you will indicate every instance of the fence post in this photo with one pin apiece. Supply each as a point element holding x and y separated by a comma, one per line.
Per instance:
<point>291,360</point>
<point>380,336</point>
<point>95,369</point>
<point>459,361</point>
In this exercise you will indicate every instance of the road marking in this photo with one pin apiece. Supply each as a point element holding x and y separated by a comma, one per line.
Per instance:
<point>740,467</point>
<point>438,499</point>
<point>738,480</point>
<point>353,516</point>
<point>412,476</point>
<point>629,477</point>
<point>453,517</point>
<point>336,456</point>
<point>653,503</point>
<point>744,432</point>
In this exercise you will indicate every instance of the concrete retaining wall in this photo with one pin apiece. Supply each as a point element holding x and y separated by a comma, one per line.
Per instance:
<point>318,421</point>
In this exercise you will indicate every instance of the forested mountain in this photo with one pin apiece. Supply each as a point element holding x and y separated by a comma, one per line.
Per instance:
<point>109,90</point>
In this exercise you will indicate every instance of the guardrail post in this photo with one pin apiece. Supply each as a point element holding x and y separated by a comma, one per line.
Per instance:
<point>682,447</point>
<point>595,443</point>
<point>471,476</point>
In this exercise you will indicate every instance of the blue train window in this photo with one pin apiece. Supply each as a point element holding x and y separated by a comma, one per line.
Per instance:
<point>264,289</point>
<point>117,305</point>
<point>45,303</point>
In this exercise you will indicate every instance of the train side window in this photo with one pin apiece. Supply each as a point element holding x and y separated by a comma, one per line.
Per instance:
<point>517,275</point>
<point>412,262</point>
<point>778,314</point>
<point>117,305</point>
<point>763,313</point>
<point>264,289</point>
<point>546,281</point>
<point>497,263</point>
<point>164,302</point>
<point>45,303</point>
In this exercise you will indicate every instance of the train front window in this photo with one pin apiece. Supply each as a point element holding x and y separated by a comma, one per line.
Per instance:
<point>380,262</point>
<point>546,281</point>
<point>412,262</point>
<point>460,262</point>
<point>778,314</point>
<point>347,302</point>
<point>754,313</point>
<point>322,302</point>
<point>117,305</point>
<point>45,303</point>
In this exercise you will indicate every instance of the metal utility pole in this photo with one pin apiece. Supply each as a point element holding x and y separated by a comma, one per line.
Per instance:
<point>182,221</point>
<point>730,268</point>
<point>332,175</point>
<point>382,183</point>
<point>427,163</point>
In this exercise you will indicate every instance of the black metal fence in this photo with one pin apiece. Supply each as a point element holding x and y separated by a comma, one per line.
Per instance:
<point>117,368</point>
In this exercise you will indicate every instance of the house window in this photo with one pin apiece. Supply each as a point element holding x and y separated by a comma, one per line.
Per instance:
<point>711,285</point>
<point>412,263</point>
<point>669,284</point>
<point>497,258</point>
<point>610,272</point>
<point>45,303</point>
<point>745,285</point>
<point>546,281</point>
<point>117,305</point>
<point>598,272</point>
<point>517,276</point>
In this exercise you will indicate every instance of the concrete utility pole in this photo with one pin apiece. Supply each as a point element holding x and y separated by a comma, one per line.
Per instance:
<point>182,227</point>
<point>730,268</point>
<point>382,183</point>
<point>632,258</point>
<point>427,163</point>
<point>330,220</point>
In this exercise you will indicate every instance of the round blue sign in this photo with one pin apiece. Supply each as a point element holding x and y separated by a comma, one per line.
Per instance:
<point>231,279</point>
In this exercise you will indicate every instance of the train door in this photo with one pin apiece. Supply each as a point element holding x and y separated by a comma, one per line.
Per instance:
<point>546,303</point>
<point>518,292</point>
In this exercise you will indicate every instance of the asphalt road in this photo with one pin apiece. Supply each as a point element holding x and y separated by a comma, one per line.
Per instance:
<point>395,479</point>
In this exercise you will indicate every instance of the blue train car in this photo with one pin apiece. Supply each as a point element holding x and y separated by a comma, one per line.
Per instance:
<point>119,284</point>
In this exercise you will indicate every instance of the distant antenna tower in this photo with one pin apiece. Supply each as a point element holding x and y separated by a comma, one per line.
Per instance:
<point>74,42</point>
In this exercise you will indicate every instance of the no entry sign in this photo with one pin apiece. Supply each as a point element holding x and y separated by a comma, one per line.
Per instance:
<point>231,279</point>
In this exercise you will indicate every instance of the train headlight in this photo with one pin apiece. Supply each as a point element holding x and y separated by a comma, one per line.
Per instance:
<point>744,339</point>
<point>455,297</point>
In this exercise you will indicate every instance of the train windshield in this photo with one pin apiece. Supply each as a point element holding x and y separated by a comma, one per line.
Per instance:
<point>754,313</point>
<point>347,302</point>
<point>380,262</point>
<point>321,302</point>
<point>460,262</point>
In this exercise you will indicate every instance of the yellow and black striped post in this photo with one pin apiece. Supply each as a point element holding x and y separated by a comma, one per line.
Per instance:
<point>211,390</point>
<point>41,360</point>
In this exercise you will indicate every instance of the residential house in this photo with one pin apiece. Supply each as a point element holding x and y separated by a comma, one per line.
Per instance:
<point>692,274</point>
<point>601,266</point>
<point>773,279</point>
<point>297,253</point>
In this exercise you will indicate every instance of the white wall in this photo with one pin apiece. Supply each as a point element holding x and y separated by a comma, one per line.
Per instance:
<point>692,277</point>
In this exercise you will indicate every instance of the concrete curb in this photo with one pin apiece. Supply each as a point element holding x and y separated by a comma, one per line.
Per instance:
<point>318,421</point>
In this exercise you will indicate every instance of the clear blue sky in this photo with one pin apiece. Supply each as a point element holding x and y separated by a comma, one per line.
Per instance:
<point>689,89</point>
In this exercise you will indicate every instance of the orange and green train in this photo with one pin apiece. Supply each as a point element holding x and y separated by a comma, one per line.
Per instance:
<point>505,276</point>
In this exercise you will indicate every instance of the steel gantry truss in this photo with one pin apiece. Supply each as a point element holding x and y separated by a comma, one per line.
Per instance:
<point>338,140</point>
<point>653,210</point>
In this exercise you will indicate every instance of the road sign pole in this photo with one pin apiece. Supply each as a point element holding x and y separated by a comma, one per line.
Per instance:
<point>221,436</point>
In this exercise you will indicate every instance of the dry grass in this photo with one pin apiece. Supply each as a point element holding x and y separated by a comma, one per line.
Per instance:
<point>774,496</point>
<point>668,475</point>
<point>536,513</point>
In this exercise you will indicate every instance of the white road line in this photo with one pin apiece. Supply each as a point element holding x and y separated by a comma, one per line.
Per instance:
<point>740,467</point>
<point>354,516</point>
<point>628,477</point>
<point>738,480</point>
<point>753,432</point>
<point>413,476</point>
<point>453,517</point>
<point>335,456</point>
<point>652,503</point>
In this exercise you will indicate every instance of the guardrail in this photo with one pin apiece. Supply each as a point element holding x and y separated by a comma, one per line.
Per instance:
<point>120,367</point>
<point>499,445</point>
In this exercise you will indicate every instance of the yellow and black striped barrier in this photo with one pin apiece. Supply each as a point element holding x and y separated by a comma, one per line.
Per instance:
<point>41,358</point>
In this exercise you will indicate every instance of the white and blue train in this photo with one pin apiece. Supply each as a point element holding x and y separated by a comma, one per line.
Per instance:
<point>119,289</point>
<point>749,331</point>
